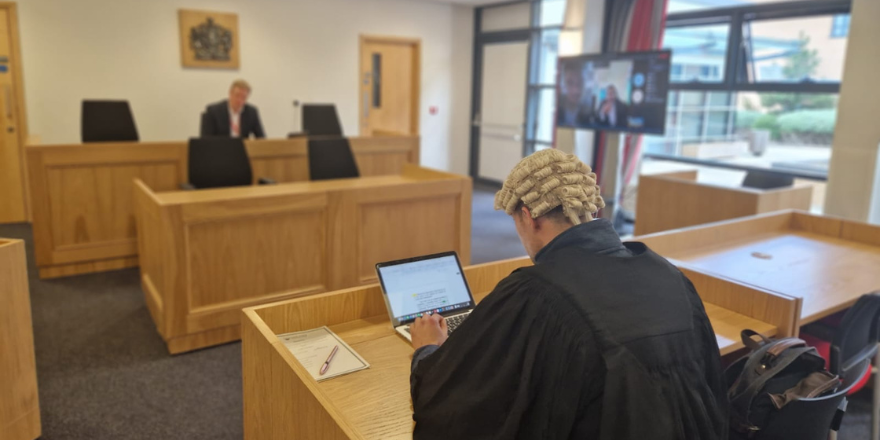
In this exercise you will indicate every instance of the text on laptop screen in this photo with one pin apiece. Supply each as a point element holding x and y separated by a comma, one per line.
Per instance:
<point>429,285</point>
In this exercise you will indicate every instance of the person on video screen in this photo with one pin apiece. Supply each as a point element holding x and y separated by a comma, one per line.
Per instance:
<point>612,111</point>
<point>575,107</point>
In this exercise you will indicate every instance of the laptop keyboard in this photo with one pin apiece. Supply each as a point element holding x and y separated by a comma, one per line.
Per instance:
<point>452,323</point>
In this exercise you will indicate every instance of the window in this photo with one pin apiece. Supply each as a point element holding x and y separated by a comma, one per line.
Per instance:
<point>698,52</point>
<point>840,26</point>
<point>753,84</point>
<point>792,50</point>
<point>547,24</point>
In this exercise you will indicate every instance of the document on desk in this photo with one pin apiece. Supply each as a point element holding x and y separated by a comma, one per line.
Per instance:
<point>312,347</point>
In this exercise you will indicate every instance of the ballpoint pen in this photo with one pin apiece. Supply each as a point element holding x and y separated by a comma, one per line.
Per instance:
<point>329,358</point>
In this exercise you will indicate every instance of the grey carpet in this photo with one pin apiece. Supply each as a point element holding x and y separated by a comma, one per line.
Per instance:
<point>104,373</point>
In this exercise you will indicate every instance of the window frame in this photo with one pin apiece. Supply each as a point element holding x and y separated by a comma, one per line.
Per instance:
<point>735,60</point>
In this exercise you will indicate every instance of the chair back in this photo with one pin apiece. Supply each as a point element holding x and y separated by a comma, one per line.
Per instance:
<point>809,419</point>
<point>216,162</point>
<point>856,338</point>
<point>321,120</point>
<point>331,159</point>
<point>107,121</point>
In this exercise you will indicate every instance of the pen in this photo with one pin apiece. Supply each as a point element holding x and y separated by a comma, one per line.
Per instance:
<point>329,358</point>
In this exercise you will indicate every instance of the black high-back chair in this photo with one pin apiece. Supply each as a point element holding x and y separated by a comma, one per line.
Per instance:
<point>331,159</point>
<point>808,419</point>
<point>853,346</point>
<point>767,180</point>
<point>856,339</point>
<point>107,121</point>
<point>217,162</point>
<point>320,120</point>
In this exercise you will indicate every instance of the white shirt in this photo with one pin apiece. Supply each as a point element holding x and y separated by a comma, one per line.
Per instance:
<point>234,123</point>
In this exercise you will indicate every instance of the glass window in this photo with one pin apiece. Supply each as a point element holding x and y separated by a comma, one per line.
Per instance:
<point>546,112</point>
<point>549,54</point>
<point>552,13</point>
<point>785,131</point>
<point>702,5</point>
<point>793,50</point>
<point>840,26</point>
<point>699,53</point>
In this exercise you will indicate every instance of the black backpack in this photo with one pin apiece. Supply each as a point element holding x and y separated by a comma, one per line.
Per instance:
<point>775,373</point>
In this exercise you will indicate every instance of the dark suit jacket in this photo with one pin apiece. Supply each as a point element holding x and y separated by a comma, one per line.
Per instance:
<point>622,111</point>
<point>215,121</point>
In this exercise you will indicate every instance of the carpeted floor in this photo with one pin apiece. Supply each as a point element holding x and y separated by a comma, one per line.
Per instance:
<point>104,372</point>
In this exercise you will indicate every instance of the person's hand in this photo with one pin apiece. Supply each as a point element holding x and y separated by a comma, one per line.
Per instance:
<point>428,330</point>
<point>606,108</point>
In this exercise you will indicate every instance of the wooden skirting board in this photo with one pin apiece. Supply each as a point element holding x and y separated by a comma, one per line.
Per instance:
<point>82,194</point>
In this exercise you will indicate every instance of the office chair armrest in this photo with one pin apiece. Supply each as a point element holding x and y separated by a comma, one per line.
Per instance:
<point>186,186</point>
<point>266,181</point>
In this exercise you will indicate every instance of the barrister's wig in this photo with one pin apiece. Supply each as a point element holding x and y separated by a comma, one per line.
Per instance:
<point>549,179</point>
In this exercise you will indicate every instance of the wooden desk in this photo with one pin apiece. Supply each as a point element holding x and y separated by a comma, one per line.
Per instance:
<point>81,194</point>
<point>206,254</point>
<point>19,402</point>
<point>828,262</point>
<point>676,200</point>
<point>282,401</point>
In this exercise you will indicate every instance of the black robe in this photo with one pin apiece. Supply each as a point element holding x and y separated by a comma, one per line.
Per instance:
<point>596,341</point>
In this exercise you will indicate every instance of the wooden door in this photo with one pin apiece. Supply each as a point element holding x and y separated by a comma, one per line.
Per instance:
<point>389,85</point>
<point>13,199</point>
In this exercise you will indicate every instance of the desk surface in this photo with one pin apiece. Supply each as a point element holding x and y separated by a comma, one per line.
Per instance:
<point>386,413</point>
<point>829,273</point>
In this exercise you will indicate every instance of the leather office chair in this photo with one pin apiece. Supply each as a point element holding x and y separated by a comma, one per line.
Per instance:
<point>331,159</point>
<point>845,344</point>
<point>320,120</point>
<point>107,121</point>
<point>809,419</point>
<point>217,162</point>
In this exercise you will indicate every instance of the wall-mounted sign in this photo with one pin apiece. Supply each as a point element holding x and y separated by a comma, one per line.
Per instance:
<point>209,39</point>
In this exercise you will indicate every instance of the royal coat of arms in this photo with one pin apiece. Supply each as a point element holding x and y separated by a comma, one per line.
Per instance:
<point>210,41</point>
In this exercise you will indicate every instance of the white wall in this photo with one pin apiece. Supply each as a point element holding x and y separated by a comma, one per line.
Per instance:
<point>290,49</point>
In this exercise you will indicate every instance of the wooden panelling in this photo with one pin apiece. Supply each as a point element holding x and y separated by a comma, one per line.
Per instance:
<point>19,402</point>
<point>415,227</point>
<point>207,254</point>
<point>827,263</point>
<point>776,310</point>
<point>271,253</point>
<point>677,200</point>
<point>82,199</point>
<point>375,403</point>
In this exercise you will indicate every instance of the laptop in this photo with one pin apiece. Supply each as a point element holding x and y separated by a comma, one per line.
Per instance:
<point>421,286</point>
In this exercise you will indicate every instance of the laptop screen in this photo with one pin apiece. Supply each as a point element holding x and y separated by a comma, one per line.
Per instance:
<point>414,287</point>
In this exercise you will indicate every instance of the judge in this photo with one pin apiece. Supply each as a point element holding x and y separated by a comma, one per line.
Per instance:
<point>598,340</point>
<point>233,117</point>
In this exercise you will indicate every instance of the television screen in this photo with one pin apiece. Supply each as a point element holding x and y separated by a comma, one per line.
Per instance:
<point>615,92</point>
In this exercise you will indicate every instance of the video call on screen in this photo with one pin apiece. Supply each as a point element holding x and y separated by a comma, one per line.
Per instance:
<point>435,284</point>
<point>617,92</point>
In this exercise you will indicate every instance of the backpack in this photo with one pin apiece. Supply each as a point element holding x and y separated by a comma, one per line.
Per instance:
<point>775,373</point>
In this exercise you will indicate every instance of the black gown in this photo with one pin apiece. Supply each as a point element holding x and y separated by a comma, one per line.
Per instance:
<point>596,341</point>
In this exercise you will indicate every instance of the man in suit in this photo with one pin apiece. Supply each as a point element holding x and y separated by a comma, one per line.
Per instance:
<point>574,108</point>
<point>612,111</point>
<point>233,117</point>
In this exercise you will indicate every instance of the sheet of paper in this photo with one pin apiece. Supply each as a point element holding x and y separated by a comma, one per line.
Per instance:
<point>312,347</point>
